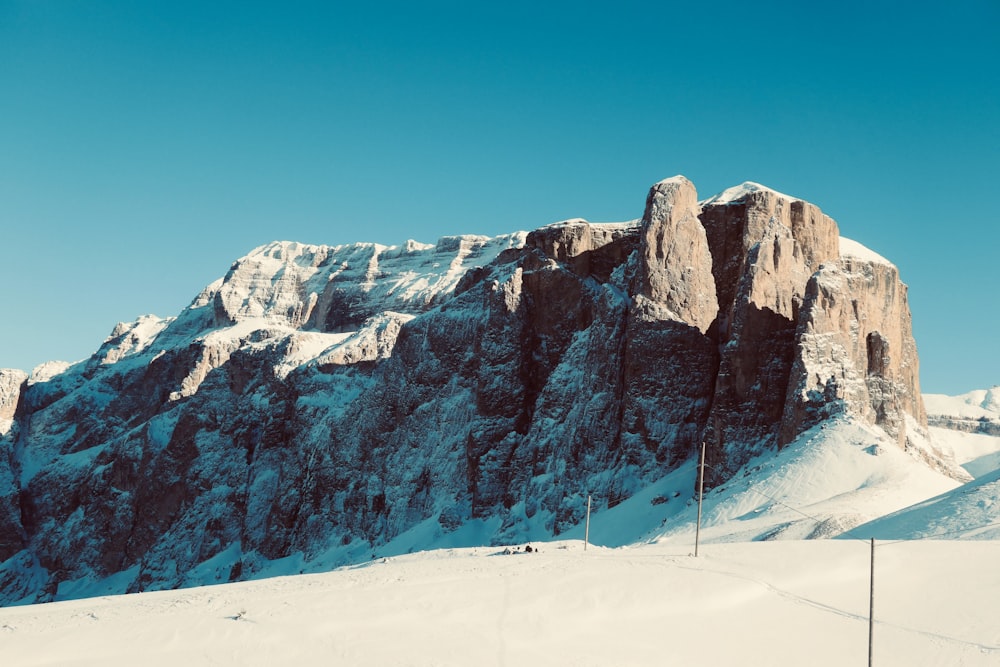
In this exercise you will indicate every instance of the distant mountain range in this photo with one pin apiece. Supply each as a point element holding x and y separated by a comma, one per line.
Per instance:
<point>322,405</point>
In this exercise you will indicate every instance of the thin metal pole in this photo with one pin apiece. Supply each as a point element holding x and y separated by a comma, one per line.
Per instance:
<point>586,529</point>
<point>871,606</point>
<point>701,494</point>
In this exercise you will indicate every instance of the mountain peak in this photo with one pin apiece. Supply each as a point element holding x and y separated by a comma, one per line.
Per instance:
<point>740,192</point>
<point>679,180</point>
<point>849,248</point>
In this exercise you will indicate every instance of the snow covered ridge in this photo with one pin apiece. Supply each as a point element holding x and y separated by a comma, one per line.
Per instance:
<point>317,405</point>
<point>849,248</point>
<point>740,192</point>
<point>981,404</point>
<point>977,412</point>
<point>336,288</point>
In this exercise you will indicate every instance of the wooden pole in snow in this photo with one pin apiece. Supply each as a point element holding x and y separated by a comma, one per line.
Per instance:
<point>701,494</point>
<point>871,607</point>
<point>586,527</point>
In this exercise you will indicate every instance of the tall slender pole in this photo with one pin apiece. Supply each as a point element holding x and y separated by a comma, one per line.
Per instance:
<point>586,528</point>
<point>701,494</point>
<point>871,606</point>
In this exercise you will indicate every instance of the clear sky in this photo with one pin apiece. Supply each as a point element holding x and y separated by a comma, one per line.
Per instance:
<point>144,146</point>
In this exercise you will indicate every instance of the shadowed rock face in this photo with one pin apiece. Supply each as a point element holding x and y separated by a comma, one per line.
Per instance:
<point>12,538</point>
<point>593,250</point>
<point>765,246</point>
<point>324,400</point>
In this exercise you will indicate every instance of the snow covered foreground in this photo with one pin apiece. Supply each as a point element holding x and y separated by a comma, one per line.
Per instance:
<point>762,603</point>
<point>757,594</point>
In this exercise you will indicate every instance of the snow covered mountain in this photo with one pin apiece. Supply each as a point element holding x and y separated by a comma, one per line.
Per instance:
<point>319,405</point>
<point>975,412</point>
<point>968,430</point>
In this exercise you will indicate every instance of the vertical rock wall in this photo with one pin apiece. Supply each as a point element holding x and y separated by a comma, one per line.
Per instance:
<point>855,351</point>
<point>765,246</point>
<point>12,384</point>
<point>675,279</point>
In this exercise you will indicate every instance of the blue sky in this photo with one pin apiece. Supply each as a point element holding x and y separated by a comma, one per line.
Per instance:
<point>145,146</point>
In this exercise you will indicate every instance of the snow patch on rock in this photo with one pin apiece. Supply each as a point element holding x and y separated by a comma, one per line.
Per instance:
<point>849,248</point>
<point>740,192</point>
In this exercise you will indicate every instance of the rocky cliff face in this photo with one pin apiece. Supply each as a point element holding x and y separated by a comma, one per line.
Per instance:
<point>765,246</point>
<point>675,279</point>
<point>12,383</point>
<point>856,310</point>
<point>317,402</point>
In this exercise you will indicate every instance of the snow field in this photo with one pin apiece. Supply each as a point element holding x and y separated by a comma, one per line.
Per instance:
<point>763,603</point>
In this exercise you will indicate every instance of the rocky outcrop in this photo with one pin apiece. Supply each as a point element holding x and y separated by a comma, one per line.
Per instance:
<point>675,279</point>
<point>11,383</point>
<point>855,349</point>
<point>587,249</point>
<point>982,426</point>
<point>793,238</point>
<point>765,246</point>
<point>317,402</point>
<point>337,289</point>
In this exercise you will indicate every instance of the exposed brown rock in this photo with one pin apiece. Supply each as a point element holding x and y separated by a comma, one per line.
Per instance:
<point>11,383</point>
<point>794,236</point>
<point>675,280</point>
<point>855,351</point>
<point>765,246</point>
<point>588,249</point>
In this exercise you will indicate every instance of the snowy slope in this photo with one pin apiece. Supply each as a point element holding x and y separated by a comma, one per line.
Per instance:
<point>835,476</point>
<point>977,453</point>
<point>978,404</point>
<point>851,248</point>
<point>971,511</point>
<point>968,427</point>
<point>783,604</point>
